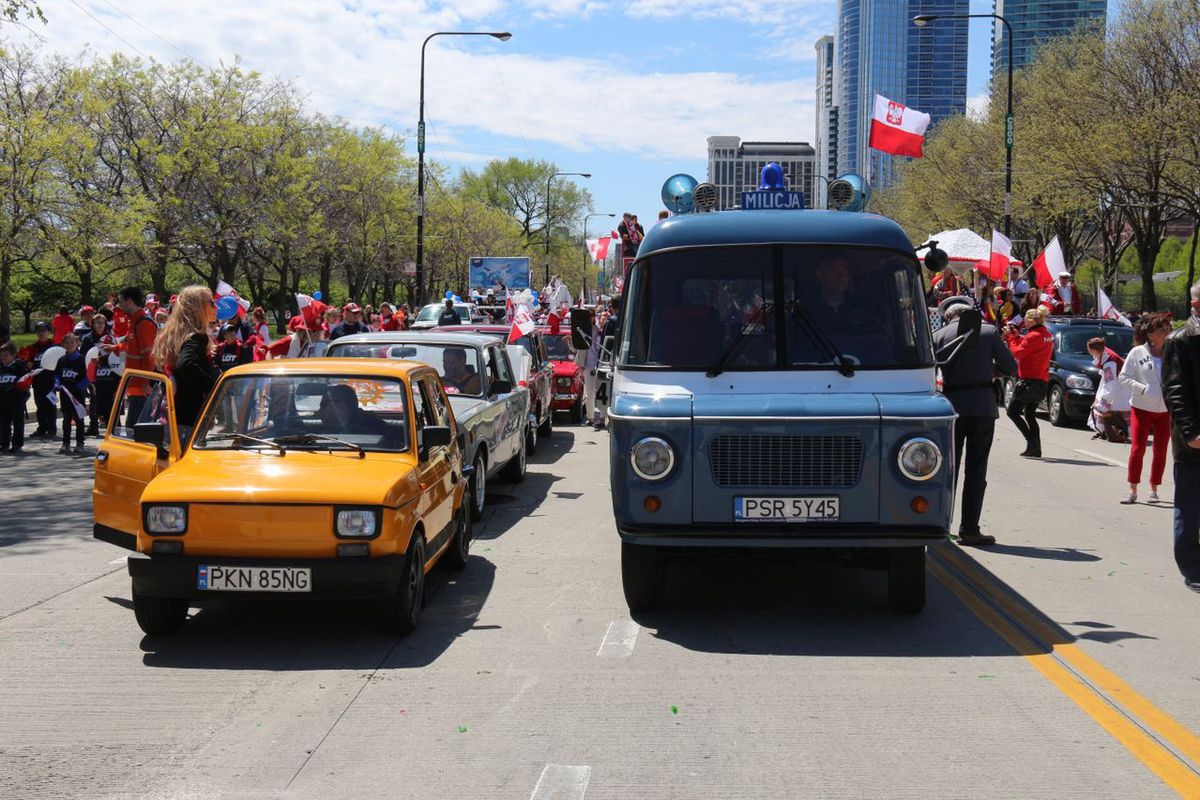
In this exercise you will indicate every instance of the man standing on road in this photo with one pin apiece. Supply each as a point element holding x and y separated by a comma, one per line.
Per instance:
<point>449,315</point>
<point>967,384</point>
<point>1181,390</point>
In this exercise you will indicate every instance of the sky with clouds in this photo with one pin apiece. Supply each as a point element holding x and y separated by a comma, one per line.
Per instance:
<point>628,91</point>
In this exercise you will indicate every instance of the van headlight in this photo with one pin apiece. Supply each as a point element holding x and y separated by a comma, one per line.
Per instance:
<point>919,459</point>
<point>1079,382</point>
<point>356,523</point>
<point>652,458</point>
<point>165,519</point>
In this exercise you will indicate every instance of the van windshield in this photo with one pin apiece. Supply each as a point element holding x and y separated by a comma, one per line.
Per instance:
<point>764,307</point>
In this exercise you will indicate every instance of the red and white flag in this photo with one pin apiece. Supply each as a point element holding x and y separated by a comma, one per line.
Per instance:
<point>898,129</point>
<point>1049,263</point>
<point>1107,310</point>
<point>997,266</point>
<point>224,290</point>
<point>26,380</point>
<point>311,310</point>
<point>599,248</point>
<point>522,323</point>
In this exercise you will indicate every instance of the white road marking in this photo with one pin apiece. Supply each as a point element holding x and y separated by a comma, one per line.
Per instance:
<point>559,782</point>
<point>120,560</point>
<point>619,640</point>
<point>1105,459</point>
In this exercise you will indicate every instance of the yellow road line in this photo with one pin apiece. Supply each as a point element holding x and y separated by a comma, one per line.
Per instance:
<point>1161,761</point>
<point>1154,718</point>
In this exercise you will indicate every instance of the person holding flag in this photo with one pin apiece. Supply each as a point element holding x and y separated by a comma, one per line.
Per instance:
<point>14,395</point>
<point>1063,298</point>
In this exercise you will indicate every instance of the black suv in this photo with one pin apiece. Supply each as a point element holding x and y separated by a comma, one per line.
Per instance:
<point>1073,378</point>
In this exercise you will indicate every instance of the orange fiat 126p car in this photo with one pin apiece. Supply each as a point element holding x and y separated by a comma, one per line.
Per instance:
<point>305,477</point>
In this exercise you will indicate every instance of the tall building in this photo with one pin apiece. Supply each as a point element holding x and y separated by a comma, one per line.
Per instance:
<point>1036,21</point>
<point>936,82</point>
<point>734,167</point>
<point>827,120</point>
<point>878,50</point>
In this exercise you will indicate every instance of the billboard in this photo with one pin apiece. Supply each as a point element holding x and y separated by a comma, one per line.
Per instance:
<point>498,273</point>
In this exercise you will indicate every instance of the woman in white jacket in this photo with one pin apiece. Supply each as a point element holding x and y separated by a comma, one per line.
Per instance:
<point>1142,373</point>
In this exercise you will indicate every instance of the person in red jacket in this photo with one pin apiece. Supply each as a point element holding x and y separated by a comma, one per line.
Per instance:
<point>1063,297</point>
<point>1033,350</point>
<point>63,323</point>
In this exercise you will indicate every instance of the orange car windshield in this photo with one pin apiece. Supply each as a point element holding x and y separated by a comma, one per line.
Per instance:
<point>319,412</point>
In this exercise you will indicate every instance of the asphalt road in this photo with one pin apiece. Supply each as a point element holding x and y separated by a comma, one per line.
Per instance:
<point>1062,663</point>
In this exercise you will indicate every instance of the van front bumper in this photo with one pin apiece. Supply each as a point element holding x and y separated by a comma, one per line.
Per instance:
<point>176,576</point>
<point>782,537</point>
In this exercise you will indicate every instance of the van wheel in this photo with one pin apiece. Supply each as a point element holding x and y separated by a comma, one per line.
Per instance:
<point>402,609</point>
<point>1056,408</point>
<point>478,498</point>
<point>641,576</point>
<point>514,470</point>
<point>906,579</point>
<point>546,429</point>
<point>460,545</point>
<point>159,616</point>
<point>531,435</point>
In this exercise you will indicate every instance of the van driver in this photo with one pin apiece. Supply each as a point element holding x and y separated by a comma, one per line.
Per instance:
<point>454,372</point>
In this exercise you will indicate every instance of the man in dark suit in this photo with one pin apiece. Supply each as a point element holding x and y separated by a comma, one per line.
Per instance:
<point>967,384</point>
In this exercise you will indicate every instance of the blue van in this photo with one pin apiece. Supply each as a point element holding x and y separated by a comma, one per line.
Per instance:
<point>773,389</point>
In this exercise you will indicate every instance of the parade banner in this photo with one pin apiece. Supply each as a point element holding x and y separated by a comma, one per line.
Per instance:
<point>499,274</point>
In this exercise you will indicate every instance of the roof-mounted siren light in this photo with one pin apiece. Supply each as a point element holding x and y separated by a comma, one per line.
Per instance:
<point>850,192</point>
<point>704,197</point>
<point>678,193</point>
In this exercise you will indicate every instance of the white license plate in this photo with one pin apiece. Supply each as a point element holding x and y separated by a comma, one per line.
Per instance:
<point>786,509</point>
<point>214,578</point>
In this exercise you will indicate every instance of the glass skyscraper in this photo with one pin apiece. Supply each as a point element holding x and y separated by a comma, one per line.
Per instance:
<point>827,119</point>
<point>1034,22</point>
<point>878,50</point>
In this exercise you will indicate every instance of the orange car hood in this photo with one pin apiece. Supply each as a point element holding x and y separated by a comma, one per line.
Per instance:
<point>312,477</point>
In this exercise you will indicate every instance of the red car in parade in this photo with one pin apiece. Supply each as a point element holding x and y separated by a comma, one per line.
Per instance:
<point>568,376</point>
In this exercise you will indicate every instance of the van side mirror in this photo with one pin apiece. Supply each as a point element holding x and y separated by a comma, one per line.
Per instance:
<point>436,436</point>
<point>154,433</point>
<point>500,387</point>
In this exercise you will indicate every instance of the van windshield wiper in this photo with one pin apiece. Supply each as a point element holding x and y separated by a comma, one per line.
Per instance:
<point>313,438</point>
<point>241,437</point>
<point>759,318</point>
<point>822,340</point>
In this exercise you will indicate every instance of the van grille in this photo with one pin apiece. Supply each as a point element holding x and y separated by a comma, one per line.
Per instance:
<point>786,460</point>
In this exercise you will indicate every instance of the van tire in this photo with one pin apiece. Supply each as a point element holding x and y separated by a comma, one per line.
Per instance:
<point>159,616</point>
<point>906,579</point>
<point>460,545</point>
<point>402,609</point>
<point>641,576</point>
<point>514,470</point>
<point>477,496</point>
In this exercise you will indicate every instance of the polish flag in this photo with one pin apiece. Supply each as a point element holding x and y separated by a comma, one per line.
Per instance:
<point>224,290</point>
<point>311,310</point>
<point>1001,258</point>
<point>599,248</point>
<point>897,129</point>
<point>522,323</point>
<point>26,380</point>
<point>1107,310</point>
<point>1047,265</point>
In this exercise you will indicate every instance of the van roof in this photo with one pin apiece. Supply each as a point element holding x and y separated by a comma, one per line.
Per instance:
<point>770,227</point>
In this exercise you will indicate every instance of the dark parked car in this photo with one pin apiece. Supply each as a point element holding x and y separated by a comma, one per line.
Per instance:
<point>1073,378</point>
<point>541,377</point>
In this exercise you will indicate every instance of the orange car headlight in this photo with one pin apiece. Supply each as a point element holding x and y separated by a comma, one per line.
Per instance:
<point>356,523</point>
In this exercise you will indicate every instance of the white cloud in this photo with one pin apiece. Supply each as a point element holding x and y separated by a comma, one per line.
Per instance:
<point>977,105</point>
<point>361,60</point>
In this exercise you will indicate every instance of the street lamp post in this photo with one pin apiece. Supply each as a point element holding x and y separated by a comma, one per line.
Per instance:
<point>586,254</point>
<point>921,20</point>
<point>503,36</point>
<point>548,182</point>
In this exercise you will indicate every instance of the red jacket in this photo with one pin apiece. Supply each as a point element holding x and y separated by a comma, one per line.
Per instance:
<point>1058,305</point>
<point>1032,350</point>
<point>62,324</point>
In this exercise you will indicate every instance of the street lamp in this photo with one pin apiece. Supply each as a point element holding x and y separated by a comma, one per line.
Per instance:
<point>503,36</point>
<point>921,20</point>
<point>586,254</point>
<point>548,181</point>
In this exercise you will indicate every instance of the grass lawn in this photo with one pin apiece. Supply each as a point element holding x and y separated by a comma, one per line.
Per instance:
<point>23,339</point>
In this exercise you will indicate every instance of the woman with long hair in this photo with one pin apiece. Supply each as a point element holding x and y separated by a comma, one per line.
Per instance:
<point>1032,349</point>
<point>261,328</point>
<point>183,350</point>
<point>1142,374</point>
<point>1030,303</point>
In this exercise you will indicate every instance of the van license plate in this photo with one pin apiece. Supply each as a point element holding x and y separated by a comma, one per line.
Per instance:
<point>253,579</point>
<point>786,509</point>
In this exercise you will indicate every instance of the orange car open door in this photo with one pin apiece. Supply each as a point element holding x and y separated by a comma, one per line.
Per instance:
<point>141,441</point>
